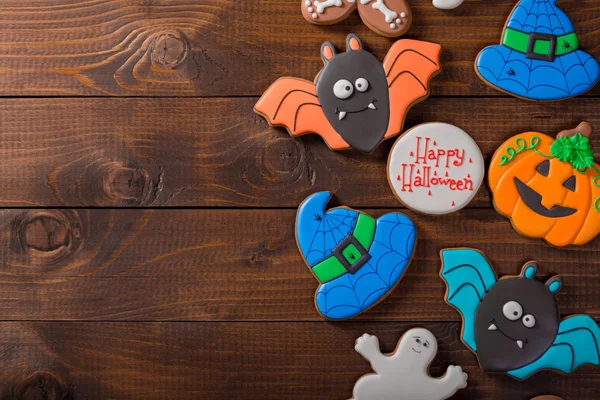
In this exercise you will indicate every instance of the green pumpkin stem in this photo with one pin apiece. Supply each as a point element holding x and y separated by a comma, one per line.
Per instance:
<point>575,150</point>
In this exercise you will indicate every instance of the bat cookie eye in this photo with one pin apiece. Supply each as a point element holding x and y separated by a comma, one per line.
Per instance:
<point>529,321</point>
<point>512,310</point>
<point>343,89</point>
<point>362,85</point>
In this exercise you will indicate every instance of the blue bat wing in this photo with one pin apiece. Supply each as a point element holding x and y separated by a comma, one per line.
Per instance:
<point>468,276</point>
<point>577,343</point>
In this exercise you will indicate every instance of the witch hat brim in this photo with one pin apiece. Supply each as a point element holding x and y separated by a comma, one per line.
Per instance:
<point>357,259</point>
<point>539,57</point>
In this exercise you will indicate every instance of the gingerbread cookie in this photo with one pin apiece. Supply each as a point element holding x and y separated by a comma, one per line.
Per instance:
<point>404,374</point>
<point>390,18</point>
<point>539,57</point>
<point>513,324</point>
<point>435,168</point>
<point>549,188</point>
<point>356,101</point>
<point>357,259</point>
<point>447,4</point>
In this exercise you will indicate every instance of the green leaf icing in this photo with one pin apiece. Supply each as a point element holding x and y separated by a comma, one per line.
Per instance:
<point>575,150</point>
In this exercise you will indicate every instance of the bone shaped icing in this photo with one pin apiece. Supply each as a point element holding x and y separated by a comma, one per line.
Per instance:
<point>380,6</point>
<point>322,5</point>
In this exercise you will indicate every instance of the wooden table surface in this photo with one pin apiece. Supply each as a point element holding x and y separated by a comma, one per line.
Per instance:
<point>147,226</point>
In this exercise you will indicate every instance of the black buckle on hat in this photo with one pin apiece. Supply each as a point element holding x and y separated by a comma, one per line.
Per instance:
<point>364,255</point>
<point>533,38</point>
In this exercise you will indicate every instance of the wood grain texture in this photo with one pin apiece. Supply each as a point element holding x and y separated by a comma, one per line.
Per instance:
<point>210,361</point>
<point>223,47</point>
<point>160,302</point>
<point>218,153</point>
<point>238,265</point>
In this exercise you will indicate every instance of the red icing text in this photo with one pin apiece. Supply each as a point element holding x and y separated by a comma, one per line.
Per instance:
<point>427,160</point>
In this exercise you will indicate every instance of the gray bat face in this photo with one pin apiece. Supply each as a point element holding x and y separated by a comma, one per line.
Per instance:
<point>515,324</point>
<point>354,93</point>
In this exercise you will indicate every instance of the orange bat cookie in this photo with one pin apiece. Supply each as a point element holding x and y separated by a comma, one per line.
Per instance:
<point>356,101</point>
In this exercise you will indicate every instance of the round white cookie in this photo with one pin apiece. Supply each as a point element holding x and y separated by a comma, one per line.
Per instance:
<point>435,168</point>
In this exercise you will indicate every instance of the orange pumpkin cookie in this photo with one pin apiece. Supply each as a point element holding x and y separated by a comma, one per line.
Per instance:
<point>549,188</point>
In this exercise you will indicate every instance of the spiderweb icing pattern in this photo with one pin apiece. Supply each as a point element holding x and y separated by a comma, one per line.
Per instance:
<point>334,226</point>
<point>391,251</point>
<point>567,76</point>
<point>542,16</point>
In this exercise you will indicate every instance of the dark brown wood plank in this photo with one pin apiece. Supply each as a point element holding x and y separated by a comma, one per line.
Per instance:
<point>232,361</point>
<point>223,47</point>
<point>237,265</point>
<point>218,153</point>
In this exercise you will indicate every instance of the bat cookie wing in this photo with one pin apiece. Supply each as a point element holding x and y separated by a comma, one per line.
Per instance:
<point>293,104</point>
<point>409,67</point>
<point>577,343</point>
<point>468,276</point>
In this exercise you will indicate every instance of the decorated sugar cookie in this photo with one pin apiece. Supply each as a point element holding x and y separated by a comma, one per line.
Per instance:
<point>435,168</point>
<point>513,324</point>
<point>549,188</point>
<point>391,18</point>
<point>539,57</point>
<point>404,374</point>
<point>357,259</point>
<point>356,101</point>
<point>447,4</point>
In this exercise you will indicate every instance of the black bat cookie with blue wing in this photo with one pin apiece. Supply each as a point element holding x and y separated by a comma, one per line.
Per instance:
<point>513,324</point>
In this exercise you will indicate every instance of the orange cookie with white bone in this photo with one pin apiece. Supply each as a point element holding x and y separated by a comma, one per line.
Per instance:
<point>390,18</point>
<point>549,188</point>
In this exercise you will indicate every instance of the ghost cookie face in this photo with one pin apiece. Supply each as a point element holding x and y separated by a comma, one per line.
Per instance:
<point>404,374</point>
<point>435,168</point>
<point>356,100</point>
<point>390,18</point>
<point>549,188</point>
<point>512,324</point>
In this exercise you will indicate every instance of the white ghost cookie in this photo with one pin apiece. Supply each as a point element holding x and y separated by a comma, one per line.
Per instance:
<point>447,4</point>
<point>404,374</point>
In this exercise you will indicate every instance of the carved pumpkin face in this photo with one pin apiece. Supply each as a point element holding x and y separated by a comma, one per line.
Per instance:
<point>543,196</point>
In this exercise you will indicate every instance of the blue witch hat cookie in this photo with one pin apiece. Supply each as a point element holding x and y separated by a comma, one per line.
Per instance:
<point>357,259</point>
<point>539,58</point>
